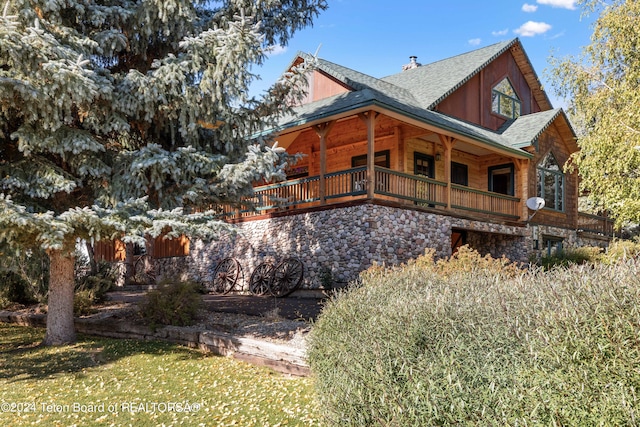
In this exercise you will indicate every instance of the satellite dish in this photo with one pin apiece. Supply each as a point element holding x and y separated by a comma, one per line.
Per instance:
<point>535,203</point>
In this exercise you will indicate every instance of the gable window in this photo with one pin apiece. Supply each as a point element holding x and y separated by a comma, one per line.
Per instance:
<point>551,183</point>
<point>501,179</point>
<point>505,101</point>
<point>459,174</point>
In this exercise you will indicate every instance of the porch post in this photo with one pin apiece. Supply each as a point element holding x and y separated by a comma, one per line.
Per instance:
<point>369,119</point>
<point>448,143</point>
<point>521,185</point>
<point>323,131</point>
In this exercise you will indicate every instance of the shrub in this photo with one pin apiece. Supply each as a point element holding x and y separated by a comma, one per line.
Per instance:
<point>409,346</point>
<point>24,276</point>
<point>96,286</point>
<point>621,250</point>
<point>571,256</point>
<point>173,303</point>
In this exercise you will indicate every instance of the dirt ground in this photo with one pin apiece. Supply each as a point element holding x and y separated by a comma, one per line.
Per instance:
<point>291,308</point>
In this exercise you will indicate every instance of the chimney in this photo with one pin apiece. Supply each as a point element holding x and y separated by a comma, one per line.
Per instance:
<point>413,63</point>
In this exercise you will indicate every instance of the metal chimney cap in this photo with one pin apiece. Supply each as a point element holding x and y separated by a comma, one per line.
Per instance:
<point>413,63</point>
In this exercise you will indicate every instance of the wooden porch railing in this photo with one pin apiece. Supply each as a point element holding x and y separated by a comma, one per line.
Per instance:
<point>484,201</point>
<point>595,224</point>
<point>415,188</point>
<point>352,184</point>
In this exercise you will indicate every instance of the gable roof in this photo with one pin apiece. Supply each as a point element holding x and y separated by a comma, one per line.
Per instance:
<point>447,75</point>
<point>416,92</point>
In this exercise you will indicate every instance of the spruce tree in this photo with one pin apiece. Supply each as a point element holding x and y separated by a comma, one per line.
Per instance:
<point>132,118</point>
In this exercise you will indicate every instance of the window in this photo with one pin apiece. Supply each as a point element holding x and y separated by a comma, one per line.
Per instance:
<point>501,179</point>
<point>459,174</point>
<point>551,183</point>
<point>424,165</point>
<point>381,159</point>
<point>552,245</point>
<point>505,101</point>
<point>359,181</point>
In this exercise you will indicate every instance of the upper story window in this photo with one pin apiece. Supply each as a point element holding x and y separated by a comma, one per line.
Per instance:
<point>505,101</point>
<point>551,183</point>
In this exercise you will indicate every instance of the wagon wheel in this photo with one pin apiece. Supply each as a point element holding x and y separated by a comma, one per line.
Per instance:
<point>225,276</point>
<point>144,271</point>
<point>259,281</point>
<point>286,277</point>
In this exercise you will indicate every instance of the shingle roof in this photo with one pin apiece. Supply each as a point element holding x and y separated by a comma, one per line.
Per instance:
<point>417,91</point>
<point>431,83</point>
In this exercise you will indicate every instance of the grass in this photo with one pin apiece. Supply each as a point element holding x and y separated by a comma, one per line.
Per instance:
<point>106,382</point>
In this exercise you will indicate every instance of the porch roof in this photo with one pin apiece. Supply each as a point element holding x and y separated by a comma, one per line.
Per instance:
<point>519,133</point>
<point>416,92</point>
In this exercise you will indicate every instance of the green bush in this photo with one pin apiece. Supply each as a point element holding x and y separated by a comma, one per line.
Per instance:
<point>571,256</point>
<point>173,303</point>
<point>96,286</point>
<point>410,346</point>
<point>24,276</point>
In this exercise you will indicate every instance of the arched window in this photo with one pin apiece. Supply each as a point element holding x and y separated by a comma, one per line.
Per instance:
<point>505,101</point>
<point>551,183</point>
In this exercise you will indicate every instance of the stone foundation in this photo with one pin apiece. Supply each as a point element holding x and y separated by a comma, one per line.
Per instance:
<point>336,244</point>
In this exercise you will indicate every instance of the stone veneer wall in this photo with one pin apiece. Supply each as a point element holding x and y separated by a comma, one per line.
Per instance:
<point>343,241</point>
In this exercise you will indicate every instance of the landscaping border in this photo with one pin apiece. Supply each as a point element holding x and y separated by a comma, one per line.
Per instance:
<point>279,357</point>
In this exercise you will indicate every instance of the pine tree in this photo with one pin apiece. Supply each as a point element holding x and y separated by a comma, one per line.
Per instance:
<point>132,118</point>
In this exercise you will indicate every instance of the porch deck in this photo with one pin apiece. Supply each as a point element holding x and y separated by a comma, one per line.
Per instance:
<point>412,190</point>
<point>352,184</point>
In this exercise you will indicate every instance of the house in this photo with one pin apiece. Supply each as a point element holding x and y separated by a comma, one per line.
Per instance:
<point>435,156</point>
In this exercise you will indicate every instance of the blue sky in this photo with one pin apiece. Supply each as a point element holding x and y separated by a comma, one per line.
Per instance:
<point>377,37</point>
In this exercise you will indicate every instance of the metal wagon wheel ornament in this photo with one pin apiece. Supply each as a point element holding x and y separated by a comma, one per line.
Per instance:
<point>225,276</point>
<point>286,277</point>
<point>260,278</point>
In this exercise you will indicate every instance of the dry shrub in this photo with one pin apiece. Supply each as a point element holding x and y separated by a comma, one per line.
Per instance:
<point>466,343</point>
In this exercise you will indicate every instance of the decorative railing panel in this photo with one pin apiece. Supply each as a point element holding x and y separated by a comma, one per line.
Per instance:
<point>595,224</point>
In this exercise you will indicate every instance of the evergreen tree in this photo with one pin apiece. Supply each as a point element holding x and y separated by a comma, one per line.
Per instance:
<point>132,118</point>
<point>603,87</point>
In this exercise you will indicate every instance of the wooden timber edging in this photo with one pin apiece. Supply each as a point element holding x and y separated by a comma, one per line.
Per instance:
<point>279,357</point>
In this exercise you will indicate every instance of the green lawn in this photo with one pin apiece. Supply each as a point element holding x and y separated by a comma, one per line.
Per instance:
<point>105,382</point>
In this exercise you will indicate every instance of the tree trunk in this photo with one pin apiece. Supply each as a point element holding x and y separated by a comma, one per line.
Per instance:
<point>92,258</point>
<point>60,326</point>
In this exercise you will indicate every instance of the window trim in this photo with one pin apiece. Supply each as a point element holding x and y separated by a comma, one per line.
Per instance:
<point>559,180</point>
<point>385,153</point>
<point>466,173</point>
<point>512,176</point>
<point>426,157</point>
<point>515,100</point>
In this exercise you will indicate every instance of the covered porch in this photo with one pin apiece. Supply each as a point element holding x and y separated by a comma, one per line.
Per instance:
<point>379,155</point>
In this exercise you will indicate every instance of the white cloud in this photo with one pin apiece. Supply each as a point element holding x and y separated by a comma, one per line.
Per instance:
<point>475,42</point>
<point>529,8</point>
<point>564,4</point>
<point>531,28</point>
<point>276,50</point>
<point>500,33</point>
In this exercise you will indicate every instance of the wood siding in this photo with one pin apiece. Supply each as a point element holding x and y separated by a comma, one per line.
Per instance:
<point>550,141</point>
<point>321,86</point>
<point>472,101</point>
<point>161,248</point>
